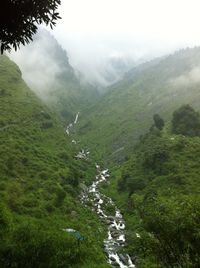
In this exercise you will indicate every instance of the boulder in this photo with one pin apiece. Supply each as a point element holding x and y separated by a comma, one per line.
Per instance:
<point>124,259</point>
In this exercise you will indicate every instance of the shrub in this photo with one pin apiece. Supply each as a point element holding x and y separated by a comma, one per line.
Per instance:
<point>158,121</point>
<point>186,121</point>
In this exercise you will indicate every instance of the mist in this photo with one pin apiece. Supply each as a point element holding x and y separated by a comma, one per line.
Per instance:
<point>93,31</point>
<point>97,60</point>
<point>37,63</point>
<point>190,78</point>
<point>99,56</point>
<point>105,39</point>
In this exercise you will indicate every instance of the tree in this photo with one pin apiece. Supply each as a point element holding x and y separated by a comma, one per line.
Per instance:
<point>186,121</point>
<point>174,227</point>
<point>158,121</point>
<point>155,155</point>
<point>19,20</point>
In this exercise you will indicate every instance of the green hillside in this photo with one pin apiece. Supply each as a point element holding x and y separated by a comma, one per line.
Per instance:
<point>156,187</point>
<point>158,190</point>
<point>40,183</point>
<point>125,112</point>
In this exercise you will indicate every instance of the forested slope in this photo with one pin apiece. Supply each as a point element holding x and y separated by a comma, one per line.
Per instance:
<point>39,185</point>
<point>126,111</point>
<point>158,190</point>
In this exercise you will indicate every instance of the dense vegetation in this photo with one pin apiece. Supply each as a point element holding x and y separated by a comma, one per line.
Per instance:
<point>126,111</point>
<point>157,186</point>
<point>186,121</point>
<point>39,185</point>
<point>158,189</point>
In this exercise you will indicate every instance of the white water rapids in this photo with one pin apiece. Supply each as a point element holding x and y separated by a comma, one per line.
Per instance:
<point>93,198</point>
<point>115,224</point>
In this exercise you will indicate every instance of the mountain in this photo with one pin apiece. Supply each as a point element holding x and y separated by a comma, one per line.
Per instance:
<point>108,71</point>
<point>125,112</point>
<point>155,182</point>
<point>50,75</point>
<point>40,184</point>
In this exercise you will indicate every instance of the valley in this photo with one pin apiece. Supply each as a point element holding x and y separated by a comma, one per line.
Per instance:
<point>99,134</point>
<point>135,212</point>
<point>92,198</point>
<point>125,113</point>
<point>156,166</point>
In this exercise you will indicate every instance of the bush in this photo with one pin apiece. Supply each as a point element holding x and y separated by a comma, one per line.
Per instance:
<point>60,196</point>
<point>47,124</point>
<point>174,227</point>
<point>186,121</point>
<point>34,246</point>
<point>158,121</point>
<point>5,219</point>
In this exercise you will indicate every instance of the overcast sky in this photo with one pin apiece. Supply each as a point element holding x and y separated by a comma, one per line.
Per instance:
<point>99,28</point>
<point>93,31</point>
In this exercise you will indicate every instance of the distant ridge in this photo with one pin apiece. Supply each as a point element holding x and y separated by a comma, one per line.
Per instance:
<point>126,111</point>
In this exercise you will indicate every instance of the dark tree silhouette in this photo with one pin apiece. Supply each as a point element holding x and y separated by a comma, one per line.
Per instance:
<point>186,121</point>
<point>19,20</point>
<point>158,121</point>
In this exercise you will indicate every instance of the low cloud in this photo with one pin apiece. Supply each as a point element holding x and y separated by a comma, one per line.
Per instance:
<point>99,65</point>
<point>38,65</point>
<point>192,77</point>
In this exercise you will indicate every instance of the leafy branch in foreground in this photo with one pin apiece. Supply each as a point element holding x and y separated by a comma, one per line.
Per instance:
<point>19,20</point>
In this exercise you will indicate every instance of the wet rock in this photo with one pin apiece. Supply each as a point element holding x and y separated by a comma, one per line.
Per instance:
<point>112,258</point>
<point>115,234</point>
<point>115,264</point>
<point>105,250</point>
<point>133,259</point>
<point>120,243</point>
<point>107,221</point>
<point>115,224</point>
<point>111,218</point>
<point>124,259</point>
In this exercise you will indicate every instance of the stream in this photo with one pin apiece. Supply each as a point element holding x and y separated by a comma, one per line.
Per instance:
<point>101,204</point>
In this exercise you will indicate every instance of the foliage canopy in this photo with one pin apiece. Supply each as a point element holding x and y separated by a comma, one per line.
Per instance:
<point>160,184</point>
<point>186,121</point>
<point>158,121</point>
<point>19,20</point>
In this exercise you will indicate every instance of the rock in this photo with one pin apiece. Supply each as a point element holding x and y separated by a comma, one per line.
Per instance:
<point>123,259</point>
<point>112,258</point>
<point>115,264</point>
<point>106,251</point>
<point>115,224</point>
<point>133,259</point>
<point>115,234</point>
<point>111,218</point>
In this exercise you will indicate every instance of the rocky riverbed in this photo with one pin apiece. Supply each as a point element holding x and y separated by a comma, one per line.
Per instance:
<point>103,206</point>
<point>115,240</point>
